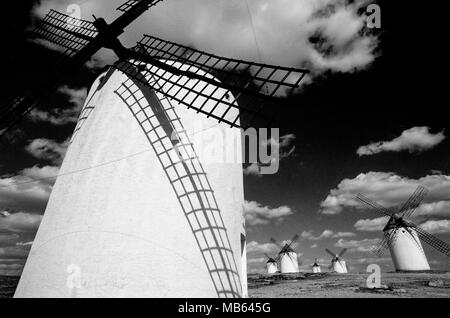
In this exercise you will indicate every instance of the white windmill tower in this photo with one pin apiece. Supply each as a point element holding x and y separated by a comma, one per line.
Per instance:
<point>271,265</point>
<point>287,257</point>
<point>338,265</point>
<point>402,237</point>
<point>316,267</point>
<point>134,183</point>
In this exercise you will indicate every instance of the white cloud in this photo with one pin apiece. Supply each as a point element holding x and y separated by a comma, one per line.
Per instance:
<point>256,214</point>
<point>57,117</point>
<point>20,222</point>
<point>253,170</point>
<point>29,190</point>
<point>76,96</point>
<point>7,238</point>
<point>46,149</point>
<point>308,235</point>
<point>343,234</point>
<point>416,139</point>
<point>24,244</point>
<point>437,209</point>
<point>257,261</point>
<point>63,116</point>
<point>283,29</point>
<point>373,260</point>
<point>11,269</point>
<point>284,147</point>
<point>387,189</point>
<point>436,226</point>
<point>365,245</point>
<point>254,247</point>
<point>13,252</point>
<point>371,225</point>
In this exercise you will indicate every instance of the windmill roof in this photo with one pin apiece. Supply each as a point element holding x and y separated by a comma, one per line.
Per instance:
<point>395,223</point>
<point>287,249</point>
<point>271,260</point>
<point>391,224</point>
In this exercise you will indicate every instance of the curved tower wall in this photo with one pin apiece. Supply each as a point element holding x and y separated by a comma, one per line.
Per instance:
<point>272,268</point>
<point>339,268</point>
<point>130,215</point>
<point>289,263</point>
<point>407,251</point>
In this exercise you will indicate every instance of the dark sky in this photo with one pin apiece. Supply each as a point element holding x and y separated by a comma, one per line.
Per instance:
<point>331,117</point>
<point>404,88</point>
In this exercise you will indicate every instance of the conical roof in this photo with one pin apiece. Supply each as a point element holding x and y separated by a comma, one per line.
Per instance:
<point>391,225</point>
<point>287,249</point>
<point>395,223</point>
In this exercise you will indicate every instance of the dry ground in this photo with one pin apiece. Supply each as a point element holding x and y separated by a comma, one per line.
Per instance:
<point>410,285</point>
<point>326,285</point>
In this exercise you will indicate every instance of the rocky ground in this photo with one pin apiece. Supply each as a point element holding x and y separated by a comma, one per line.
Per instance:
<point>326,285</point>
<point>401,285</point>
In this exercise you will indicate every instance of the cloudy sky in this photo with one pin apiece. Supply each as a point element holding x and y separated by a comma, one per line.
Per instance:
<point>368,119</point>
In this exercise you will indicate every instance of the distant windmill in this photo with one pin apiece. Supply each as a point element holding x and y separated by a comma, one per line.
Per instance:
<point>402,237</point>
<point>316,267</point>
<point>271,264</point>
<point>132,185</point>
<point>287,257</point>
<point>338,265</point>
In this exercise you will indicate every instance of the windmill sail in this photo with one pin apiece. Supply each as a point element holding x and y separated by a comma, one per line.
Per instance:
<point>330,252</point>
<point>388,239</point>
<point>259,81</point>
<point>130,5</point>
<point>81,39</point>
<point>342,252</point>
<point>337,265</point>
<point>288,246</point>
<point>287,257</point>
<point>72,36</point>
<point>65,31</point>
<point>80,44</point>
<point>413,202</point>
<point>373,205</point>
<point>433,241</point>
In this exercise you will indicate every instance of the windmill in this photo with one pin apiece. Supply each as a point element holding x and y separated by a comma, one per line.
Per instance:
<point>271,264</point>
<point>316,267</point>
<point>132,185</point>
<point>287,257</point>
<point>338,265</point>
<point>402,237</point>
